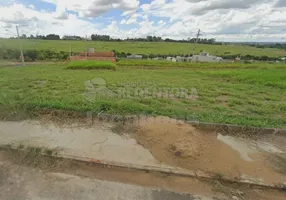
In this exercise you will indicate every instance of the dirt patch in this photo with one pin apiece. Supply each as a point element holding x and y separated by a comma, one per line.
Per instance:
<point>179,144</point>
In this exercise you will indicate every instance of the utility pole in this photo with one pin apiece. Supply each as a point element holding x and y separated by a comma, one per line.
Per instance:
<point>86,47</point>
<point>198,35</point>
<point>20,44</point>
<point>197,38</point>
<point>70,51</point>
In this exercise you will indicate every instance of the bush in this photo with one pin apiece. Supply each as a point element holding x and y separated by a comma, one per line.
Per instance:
<point>91,64</point>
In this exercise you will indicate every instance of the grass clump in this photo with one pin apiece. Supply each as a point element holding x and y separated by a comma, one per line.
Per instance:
<point>91,64</point>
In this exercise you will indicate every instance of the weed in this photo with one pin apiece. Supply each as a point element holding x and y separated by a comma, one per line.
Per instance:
<point>218,176</point>
<point>6,147</point>
<point>31,155</point>
<point>20,146</point>
<point>91,64</point>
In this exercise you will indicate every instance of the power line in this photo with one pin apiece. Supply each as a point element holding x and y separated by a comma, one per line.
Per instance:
<point>197,38</point>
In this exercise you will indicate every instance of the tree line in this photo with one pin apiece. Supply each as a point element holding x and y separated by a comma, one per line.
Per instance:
<point>270,45</point>
<point>97,37</point>
<point>33,55</point>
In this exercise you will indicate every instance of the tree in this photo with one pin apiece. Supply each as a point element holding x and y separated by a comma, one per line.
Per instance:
<point>71,37</point>
<point>52,37</point>
<point>24,36</point>
<point>100,37</point>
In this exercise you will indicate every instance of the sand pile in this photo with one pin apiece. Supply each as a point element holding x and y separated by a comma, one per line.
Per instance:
<point>169,136</point>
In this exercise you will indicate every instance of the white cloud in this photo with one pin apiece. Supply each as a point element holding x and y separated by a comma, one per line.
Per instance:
<point>221,19</point>
<point>161,22</point>
<point>61,13</point>
<point>94,8</point>
<point>238,18</point>
<point>31,6</point>
<point>280,3</point>
<point>34,22</point>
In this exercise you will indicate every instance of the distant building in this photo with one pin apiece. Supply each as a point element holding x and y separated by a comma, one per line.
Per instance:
<point>172,59</point>
<point>189,59</point>
<point>134,56</point>
<point>180,59</point>
<point>158,58</point>
<point>205,57</point>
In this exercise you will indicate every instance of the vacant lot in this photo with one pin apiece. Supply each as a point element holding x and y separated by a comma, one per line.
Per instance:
<point>140,47</point>
<point>238,96</point>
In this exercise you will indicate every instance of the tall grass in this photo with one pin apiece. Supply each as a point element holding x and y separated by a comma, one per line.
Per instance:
<point>164,63</point>
<point>91,64</point>
<point>239,96</point>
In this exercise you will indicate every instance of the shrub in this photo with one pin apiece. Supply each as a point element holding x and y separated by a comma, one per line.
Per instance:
<point>91,64</point>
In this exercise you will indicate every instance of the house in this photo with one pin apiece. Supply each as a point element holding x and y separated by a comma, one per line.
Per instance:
<point>134,56</point>
<point>172,59</point>
<point>169,58</point>
<point>158,58</point>
<point>180,59</point>
<point>205,57</point>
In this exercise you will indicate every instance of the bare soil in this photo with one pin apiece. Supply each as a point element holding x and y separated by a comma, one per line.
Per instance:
<point>179,144</point>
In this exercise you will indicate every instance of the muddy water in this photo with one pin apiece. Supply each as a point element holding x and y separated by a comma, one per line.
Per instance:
<point>98,142</point>
<point>178,144</point>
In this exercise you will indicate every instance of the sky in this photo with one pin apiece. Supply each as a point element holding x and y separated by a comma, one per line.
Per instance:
<point>224,20</point>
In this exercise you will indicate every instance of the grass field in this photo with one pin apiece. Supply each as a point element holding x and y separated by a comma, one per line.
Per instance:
<point>238,96</point>
<point>141,47</point>
<point>166,64</point>
<point>91,64</point>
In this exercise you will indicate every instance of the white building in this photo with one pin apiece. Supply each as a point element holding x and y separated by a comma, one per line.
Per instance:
<point>180,59</point>
<point>171,59</point>
<point>158,58</point>
<point>189,59</point>
<point>205,57</point>
<point>133,56</point>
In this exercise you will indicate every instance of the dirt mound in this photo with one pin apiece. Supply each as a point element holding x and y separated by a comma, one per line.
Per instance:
<point>184,148</point>
<point>175,137</point>
<point>179,144</point>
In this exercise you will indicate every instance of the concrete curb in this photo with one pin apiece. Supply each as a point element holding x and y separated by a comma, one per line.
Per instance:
<point>172,171</point>
<point>200,175</point>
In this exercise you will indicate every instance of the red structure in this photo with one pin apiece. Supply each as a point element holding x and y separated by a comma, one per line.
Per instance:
<point>110,56</point>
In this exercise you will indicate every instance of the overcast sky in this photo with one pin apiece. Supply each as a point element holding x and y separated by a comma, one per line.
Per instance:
<point>225,20</point>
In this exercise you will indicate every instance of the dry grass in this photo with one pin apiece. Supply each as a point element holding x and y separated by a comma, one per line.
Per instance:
<point>33,156</point>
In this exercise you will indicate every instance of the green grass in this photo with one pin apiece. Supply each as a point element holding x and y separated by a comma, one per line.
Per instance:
<point>274,78</point>
<point>91,64</point>
<point>163,63</point>
<point>141,47</point>
<point>251,97</point>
